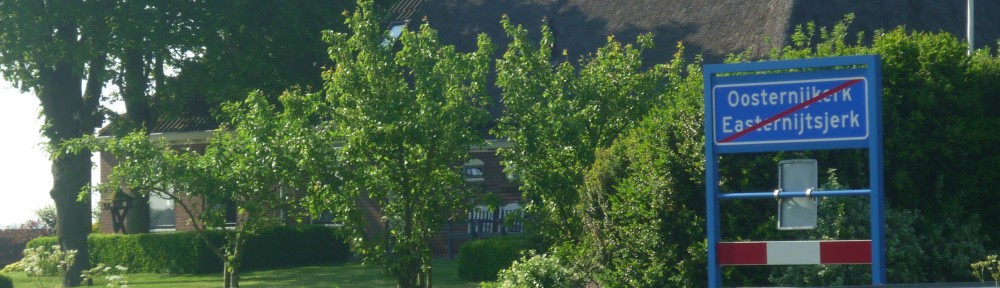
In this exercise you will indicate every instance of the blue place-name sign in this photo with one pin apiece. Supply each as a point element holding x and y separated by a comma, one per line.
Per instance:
<point>769,110</point>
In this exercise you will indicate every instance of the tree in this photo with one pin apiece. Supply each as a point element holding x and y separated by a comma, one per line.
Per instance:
<point>406,121</point>
<point>557,115</point>
<point>47,216</point>
<point>255,166</point>
<point>639,199</point>
<point>218,51</point>
<point>50,48</point>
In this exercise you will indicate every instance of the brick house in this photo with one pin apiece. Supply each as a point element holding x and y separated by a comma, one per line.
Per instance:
<point>192,131</point>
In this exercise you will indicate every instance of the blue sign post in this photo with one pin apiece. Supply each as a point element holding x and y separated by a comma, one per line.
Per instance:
<point>830,103</point>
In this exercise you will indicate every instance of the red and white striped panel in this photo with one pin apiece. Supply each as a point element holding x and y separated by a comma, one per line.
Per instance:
<point>794,252</point>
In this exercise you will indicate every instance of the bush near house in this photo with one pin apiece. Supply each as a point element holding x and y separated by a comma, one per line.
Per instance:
<point>185,252</point>
<point>482,259</point>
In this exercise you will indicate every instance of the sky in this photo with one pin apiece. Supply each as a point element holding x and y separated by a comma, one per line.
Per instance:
<point>25,170</point>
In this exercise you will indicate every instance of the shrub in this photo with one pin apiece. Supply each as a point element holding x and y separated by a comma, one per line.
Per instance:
<point>482,259</point>
<point>290,246</point>
<point>47,261</point>
<point>186,252</point>
<point>538,271</point>
<point>114,275</point>
<point>13,267</point>
<point>5,282</point>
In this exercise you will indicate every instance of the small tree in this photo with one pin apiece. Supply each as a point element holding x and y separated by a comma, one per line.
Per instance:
<point>557,115</point>
<point>248,165</point>
<point>406,121</point>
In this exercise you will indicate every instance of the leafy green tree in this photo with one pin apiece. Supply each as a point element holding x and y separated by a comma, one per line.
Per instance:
<point>406,120</point>
<point>172,55</point>
<point>637,202</point>
<point>256,165</point>
<point>558,114</point>
<point>50,48</point>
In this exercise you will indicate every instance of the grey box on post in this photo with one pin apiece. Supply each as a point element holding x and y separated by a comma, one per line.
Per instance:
<point>797,213</point>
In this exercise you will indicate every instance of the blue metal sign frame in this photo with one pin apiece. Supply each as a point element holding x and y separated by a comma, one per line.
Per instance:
<point>825,78</point>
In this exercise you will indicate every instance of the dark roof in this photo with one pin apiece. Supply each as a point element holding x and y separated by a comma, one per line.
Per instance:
<point>712,28</point>
<point>194,115</point>
<point>402,11</point>
<point>186,121</point>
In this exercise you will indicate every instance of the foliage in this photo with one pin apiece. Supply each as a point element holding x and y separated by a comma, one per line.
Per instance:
<point>556,115</point>
<point>115,275</point>
<point>482,259</point>
<point>636,202</point>
<point>938,121</point>
<point>285,246</point>
<point>186,252</point>
<point>56,50</point>
<point>346,274</point>
<point>250,166</point>
<point>47,261</point>
<point>539,270</point>
<point>169,252</point>
<point>406,122</point>
<point>13,267</point>
<point>990,265</point>
<point>243,46</point>
<point>847,218</point>
<point>47,215</point>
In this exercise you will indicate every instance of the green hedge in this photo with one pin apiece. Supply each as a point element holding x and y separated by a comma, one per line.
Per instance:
<point>186,252</point>
<point>5,281</point>
<point>481,260</point>
<point>294,246</point>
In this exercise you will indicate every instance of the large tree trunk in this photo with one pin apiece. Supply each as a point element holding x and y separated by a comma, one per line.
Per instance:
<point>69,174</point>
<point>139,116</point>
<point>71,113</point>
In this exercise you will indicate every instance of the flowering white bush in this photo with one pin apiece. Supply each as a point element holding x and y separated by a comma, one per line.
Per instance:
<point>47,261</point>
<point>115,275</point>
<point>990,266</point>
<point>537,271</point>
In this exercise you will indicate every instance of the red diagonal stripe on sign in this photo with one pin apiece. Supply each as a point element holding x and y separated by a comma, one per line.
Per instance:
<point>791,110</point>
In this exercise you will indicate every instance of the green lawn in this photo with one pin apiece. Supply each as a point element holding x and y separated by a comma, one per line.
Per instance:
<point>337,275</point>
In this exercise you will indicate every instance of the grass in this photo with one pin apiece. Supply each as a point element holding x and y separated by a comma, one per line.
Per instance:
<point>351,274</point>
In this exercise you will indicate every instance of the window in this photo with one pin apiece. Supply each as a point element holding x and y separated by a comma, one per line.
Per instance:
<point>228,209</point>
<point>231,215</point>
<point>395,30</point>
<point>326,219</point>
<point>161,213</point>
<point>473,170</point>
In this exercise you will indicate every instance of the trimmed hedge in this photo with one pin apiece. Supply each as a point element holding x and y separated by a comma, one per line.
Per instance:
<point>482,259</point>
<point>5,281</point>
<point>186,252</point>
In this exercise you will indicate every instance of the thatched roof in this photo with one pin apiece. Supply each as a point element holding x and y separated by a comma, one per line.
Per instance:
<point>712,28</point>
